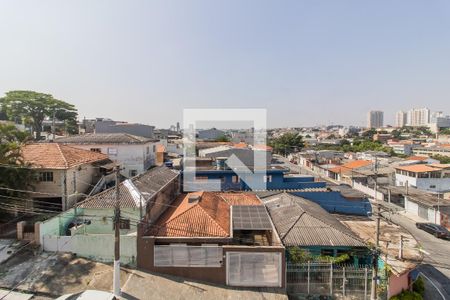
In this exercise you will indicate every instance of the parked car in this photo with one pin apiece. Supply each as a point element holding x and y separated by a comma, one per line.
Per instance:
<point>88,295</point>
<point>436,230</point>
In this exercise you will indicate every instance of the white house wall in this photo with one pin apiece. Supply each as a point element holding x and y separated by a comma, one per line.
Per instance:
<point>129,156</point>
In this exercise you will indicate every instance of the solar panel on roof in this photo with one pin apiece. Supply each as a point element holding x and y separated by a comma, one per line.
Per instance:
<point>250,217</point>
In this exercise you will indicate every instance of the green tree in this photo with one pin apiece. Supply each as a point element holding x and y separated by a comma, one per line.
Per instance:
<point>442,159</point>
<point>34,107</point>
<point>445,131</point>
<point>14,172</point>
<point>287,143</point>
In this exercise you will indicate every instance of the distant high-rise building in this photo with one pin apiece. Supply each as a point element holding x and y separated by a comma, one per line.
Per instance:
<point>401,119</point>
<point>419,117</point>
<point>375,119</point>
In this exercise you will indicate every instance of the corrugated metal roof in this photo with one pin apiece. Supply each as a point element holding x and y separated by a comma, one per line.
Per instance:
<point>130,191</point>
<point>300,222</point>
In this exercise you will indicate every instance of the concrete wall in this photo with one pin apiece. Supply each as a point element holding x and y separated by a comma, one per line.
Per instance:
<point>162,200</point>
<point>102,221</point>
<point>425,184</point>
<point>78,182</point>
<point>130,156</point>
<point>397,284</point>
<point>367,190</point>
<point>216,275</point>
<point>334,202</point>
<point>278,181</point>
<point>97,247</point>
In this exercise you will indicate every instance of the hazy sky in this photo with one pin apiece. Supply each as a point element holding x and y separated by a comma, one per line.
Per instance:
<point>307,62</point>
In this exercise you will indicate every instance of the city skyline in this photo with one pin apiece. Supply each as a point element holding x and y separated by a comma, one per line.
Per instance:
<point>307,63</point>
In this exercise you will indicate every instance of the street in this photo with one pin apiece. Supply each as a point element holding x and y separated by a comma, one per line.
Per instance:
<point>436,261</point>
<point>435,267</point>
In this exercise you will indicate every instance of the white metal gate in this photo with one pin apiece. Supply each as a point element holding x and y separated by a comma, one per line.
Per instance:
<point>261,269</point>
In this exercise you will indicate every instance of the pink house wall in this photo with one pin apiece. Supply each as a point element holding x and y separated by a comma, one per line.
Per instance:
<point>398,283</point>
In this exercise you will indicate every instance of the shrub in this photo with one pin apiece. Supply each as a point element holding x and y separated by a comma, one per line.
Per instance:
<point>407,295</point>
<point>419,286</point>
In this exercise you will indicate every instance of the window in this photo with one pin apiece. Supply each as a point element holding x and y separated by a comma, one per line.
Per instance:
<point>124,224</point>
<point>154,148</point>
<point>133,173</point>
<point>432,186</point>
<point>327,252</point>
<point>267,178</point>
<point>112,151</point>
<point>235,179</point>
<point>148,149</point>
<point>46,176</point>
<point>98,150</point>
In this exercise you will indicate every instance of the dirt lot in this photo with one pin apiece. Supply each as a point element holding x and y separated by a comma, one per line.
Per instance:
<point>50,275</point>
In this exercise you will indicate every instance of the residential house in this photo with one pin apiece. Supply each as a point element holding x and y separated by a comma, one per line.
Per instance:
<point>64,174</point>
<point>402,147</point>
<point>135,154</point>
<point>348,170</point>
<point>210,134</point>
<point>222,178</point>
<point>87,229</point>
<point>247,154</point>
<point>443,150</point>
<point>223,238</point>
<point>428,177</point>
<point>305,225</point>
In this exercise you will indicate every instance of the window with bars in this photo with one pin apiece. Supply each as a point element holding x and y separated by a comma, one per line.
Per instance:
<point>181,255</point>
<point>46,176</point>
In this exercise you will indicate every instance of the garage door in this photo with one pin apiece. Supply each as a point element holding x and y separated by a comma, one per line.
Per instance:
<point>261,269</point>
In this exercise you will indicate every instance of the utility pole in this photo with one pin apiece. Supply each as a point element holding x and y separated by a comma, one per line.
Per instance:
<point>116,276</point>
<point>64,186</point>
<point>373,292</point>
<point>74,183</point>
<point>400,248</point>
<point>376,179</point>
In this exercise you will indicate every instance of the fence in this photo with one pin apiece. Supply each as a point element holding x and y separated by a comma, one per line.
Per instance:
<point>347,282</point>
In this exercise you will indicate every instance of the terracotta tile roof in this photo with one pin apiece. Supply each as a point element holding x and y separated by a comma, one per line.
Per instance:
<point>207,217</point>
<point>350,166</point>
<point>420,168</point>
<point>262,147</point>
<point>240,145</point>
<point>56,156</point>
<point>416,157</point>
